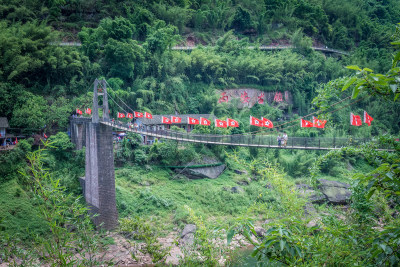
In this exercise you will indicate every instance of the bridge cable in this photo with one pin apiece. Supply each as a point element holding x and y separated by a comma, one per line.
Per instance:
<point>334,110</point>
<point>275,128</point>
<point>262,130</point>
<point>120,98</point>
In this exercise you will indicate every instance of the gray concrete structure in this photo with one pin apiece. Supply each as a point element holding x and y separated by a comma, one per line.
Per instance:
<point>99,181</point>
<point>77,129</point>
<point>100,176</point>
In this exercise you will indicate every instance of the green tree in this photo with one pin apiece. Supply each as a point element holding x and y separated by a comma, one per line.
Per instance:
<point>124,59</point>
<point>30,112</point>
<point>161,37</point>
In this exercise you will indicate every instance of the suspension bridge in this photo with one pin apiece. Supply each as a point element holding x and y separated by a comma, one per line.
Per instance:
<point>96,134</point>
<point>245,140</point>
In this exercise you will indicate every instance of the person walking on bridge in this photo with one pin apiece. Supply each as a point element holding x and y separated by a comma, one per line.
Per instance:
<point>279,139</point>
<point>285,138</point>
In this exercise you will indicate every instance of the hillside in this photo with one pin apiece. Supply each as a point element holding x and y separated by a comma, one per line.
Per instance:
<point>132,45</point>
<point>129,44</point>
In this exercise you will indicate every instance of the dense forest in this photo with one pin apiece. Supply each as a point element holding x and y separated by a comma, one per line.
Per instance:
<point>130,44</point>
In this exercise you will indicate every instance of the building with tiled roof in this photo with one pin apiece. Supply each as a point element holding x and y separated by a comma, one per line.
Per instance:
<point>3,126</point>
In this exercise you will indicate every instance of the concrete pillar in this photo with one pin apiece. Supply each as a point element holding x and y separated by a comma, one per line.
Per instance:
<point>80,136</point>
<point>95,108</point>
<point>100,176</point>
<point>106,111</point>
<point>78,133</point>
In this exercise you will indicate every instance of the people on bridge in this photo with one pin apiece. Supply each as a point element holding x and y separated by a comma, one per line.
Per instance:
<point>284,139</point>
<point>279,139</point>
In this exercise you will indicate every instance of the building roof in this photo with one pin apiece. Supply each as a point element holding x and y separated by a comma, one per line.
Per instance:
<point>3,122</point>
<point>157,119</point>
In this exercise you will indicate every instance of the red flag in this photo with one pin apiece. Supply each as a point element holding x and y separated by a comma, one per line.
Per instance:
<point>319,123</point>
<point>304,123</point>
<point>148,115</point>
<point>129,115</point>
<point>78,111</point>
<point>166,120</point>
<point>138,114</point>
<point>16,140</point>
<point>367,118</point>
<point>355,120</point>
<point>267,123</point>
<point>205,122</point>
<point>232,123</point>
<point>88,111</point>
<point>193,121</point>
<point>121,115</point>
<point>44,135</point>
<point>176,119</point>
<point>256,122</point>
<point>220,123</point>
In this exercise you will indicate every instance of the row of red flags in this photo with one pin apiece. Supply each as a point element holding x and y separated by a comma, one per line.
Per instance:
<point>263,122</point>
<point>202,121</point>
<point>135,114</point>
<point>87,111</point>
<point>354,120</point>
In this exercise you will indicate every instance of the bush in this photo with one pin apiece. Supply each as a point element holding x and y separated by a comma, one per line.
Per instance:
<point>136,228</point>
<point>12,161</point>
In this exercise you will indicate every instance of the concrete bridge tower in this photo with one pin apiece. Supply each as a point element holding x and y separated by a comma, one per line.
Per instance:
<point>99,172</point>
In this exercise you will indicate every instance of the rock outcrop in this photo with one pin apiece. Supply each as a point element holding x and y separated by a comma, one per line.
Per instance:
<point>313,196</point>
<point>203,172</point>
<point>237,189</point>
<point>187,235</point>
<point>335,192</point>
<point>331,191</point>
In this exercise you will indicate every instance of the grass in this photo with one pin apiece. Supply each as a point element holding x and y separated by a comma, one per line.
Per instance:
<point>159,195</point>
<point>18,213</point>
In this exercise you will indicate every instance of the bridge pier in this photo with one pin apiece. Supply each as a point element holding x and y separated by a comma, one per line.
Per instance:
<point>99,182</point>
<point>77,129</point>
<point>100,176</point>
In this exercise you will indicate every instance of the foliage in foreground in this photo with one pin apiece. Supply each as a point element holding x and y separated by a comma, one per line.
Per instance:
<point>138,229</point>
<point>71,239</point>
<point>348,238</point>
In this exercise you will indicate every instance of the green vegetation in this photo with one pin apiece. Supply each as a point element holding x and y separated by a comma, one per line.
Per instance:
<point>129,43</point>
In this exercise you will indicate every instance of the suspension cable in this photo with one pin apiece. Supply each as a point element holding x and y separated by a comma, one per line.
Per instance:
<point>253,132</point>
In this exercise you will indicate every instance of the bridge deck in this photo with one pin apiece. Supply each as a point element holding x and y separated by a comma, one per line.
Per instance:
<point>260,141</point>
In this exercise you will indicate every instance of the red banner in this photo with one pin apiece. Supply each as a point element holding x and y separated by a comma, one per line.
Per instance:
<point>256,122</point>
<point>355,120</point>
<point>121,115</point>
<point>148,115</point>
<point>267,123</point>
<point>129,115</point>
<point>88,111</point>
<point>193,121</point>
<point>367,118</point>
<point>78,111</point>
<point>176,119</point>
<point>138,114</point>
<point>205,122</point>
<point>319,123</point>
<point>166,120</point>
<point>232,123</point>
<point>221,123</point>
<point>304,123</point>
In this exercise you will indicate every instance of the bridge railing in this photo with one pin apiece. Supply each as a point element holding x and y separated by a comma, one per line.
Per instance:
<point>262,140</point>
